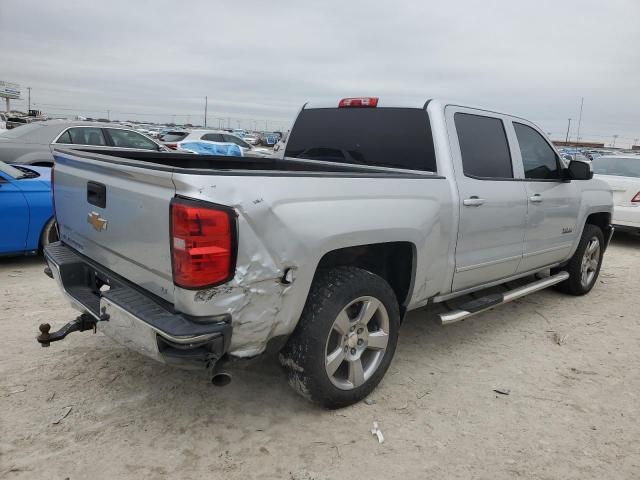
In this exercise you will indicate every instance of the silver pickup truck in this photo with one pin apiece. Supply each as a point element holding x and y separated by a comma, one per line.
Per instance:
<point>372,211</point>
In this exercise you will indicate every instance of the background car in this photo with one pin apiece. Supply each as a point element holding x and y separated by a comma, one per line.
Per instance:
<point>280,144</point>
<point>622,173</point>
<point>269,139</point>
<point>33,144</point>
<point>171,137</point>
<point>14,122</point>
<point>26,212</point>
<point>251,139</point>
<point>221,136</point>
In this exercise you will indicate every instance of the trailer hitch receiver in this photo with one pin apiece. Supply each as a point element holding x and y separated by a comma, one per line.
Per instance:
<point>80,324</point>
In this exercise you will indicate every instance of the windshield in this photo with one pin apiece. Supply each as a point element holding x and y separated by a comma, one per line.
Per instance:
<point>11,171</point>
<point>620,166</point>
<point>381,137</point>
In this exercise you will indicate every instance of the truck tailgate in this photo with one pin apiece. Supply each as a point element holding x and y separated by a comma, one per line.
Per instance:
<point>118,216</point>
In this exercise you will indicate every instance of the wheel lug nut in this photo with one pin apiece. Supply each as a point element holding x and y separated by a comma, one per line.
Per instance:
<point>360,330</point>
<point>353,351</point>
<point>353,328</point>
<point>360,342</point>
<point>346,349</point>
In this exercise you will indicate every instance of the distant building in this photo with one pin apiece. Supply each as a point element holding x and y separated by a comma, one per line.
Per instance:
<point>635,147</point>
<point>562,143</point>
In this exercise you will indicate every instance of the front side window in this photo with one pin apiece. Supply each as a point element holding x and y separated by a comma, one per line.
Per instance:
<point>64,138</point>
<point>86,136</point>
<point>483,146</point>
<point>129,139</point>
<point>539,159</point>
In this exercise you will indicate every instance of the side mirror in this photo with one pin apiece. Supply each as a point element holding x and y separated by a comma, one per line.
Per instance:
<point>579,170</point>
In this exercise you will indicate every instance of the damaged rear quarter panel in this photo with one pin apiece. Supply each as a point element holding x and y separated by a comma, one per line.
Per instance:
<point>291,222</point>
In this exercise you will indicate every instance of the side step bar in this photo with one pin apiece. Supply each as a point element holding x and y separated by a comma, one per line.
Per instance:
<point>476,306</point>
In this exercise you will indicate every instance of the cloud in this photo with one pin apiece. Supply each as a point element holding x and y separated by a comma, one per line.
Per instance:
<point>263,60</point>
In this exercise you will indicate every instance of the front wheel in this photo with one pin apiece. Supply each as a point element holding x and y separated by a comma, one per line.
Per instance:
<point>345,339</point>
<point>584,266</point>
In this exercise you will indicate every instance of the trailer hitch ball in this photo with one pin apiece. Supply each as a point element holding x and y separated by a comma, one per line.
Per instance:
<point>43,338</point>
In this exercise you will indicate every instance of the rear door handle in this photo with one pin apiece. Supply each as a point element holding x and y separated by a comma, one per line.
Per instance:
<point>537,198</point>
<point>473,201</point>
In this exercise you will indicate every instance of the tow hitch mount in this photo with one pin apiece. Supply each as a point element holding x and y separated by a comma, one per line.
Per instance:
<point>80,324</point>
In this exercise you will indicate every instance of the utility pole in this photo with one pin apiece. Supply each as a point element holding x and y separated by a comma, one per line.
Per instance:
<point>206,102</point>
<point>29,101</point>
<point>613,145</point>
<point>566,139</point>
<point>580,120</point>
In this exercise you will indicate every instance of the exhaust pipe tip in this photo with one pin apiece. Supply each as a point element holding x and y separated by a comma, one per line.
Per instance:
<point>221,379</point>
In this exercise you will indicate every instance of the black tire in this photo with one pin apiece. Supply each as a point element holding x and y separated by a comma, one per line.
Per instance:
<point>305,353</point>
<point>49,233</point>
<point>574,285</point>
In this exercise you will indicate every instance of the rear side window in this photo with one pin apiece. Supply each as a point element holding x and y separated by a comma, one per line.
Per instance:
<point>381,137</point>
<point>618,166</point>
<point>539,159</point>
<point>483,146</point>
<point>86,136</point>
<point>213,137</point>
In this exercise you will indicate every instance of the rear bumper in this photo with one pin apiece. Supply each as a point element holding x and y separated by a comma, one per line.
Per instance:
<point>136,318</point>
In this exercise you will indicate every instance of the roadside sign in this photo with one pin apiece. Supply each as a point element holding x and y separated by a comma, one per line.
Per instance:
<point>9,90</point>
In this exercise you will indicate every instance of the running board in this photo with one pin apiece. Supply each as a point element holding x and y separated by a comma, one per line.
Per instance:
<point>478,305</point>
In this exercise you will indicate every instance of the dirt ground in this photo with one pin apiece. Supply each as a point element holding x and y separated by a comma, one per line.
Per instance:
<point>570,366</point>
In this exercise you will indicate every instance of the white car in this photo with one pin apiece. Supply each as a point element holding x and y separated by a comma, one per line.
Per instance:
<point>220,136</point>
<point>251,139</point>
<point>622,173</point>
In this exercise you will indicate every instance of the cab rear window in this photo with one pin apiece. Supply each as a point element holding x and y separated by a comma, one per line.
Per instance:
<point>381,137</point>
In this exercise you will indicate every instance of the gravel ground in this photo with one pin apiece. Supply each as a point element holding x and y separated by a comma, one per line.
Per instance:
<point>570,366</point>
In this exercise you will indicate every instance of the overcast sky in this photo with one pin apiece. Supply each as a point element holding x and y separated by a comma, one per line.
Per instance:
<point>262,60</point>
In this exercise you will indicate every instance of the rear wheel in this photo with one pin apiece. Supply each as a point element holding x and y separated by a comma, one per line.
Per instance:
<point>584,266</point>
<point>345,339</point>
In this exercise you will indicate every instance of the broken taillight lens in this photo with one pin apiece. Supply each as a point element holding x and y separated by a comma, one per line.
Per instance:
<point>203,243</point>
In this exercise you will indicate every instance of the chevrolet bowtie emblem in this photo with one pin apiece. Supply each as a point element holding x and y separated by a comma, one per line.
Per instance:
<point>96,222</point>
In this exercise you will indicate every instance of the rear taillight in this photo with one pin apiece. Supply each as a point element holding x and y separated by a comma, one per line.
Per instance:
<point>636,198</point>
<point>361,102</point>
<point>202,243</point>
<point>172,146</point>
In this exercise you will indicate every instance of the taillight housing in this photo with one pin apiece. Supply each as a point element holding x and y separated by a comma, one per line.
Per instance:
<point>636,198</point>
<point>172,146</point>
<point>203,243</point>
<point>358,102</point>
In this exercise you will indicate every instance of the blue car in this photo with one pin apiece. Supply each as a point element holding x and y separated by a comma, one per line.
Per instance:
<point>26,210</point>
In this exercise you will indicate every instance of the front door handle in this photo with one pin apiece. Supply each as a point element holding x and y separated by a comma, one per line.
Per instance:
<point>537,198</point>
<point>473,201</point>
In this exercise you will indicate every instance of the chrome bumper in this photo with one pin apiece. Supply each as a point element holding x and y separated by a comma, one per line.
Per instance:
<point>136,319</point>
